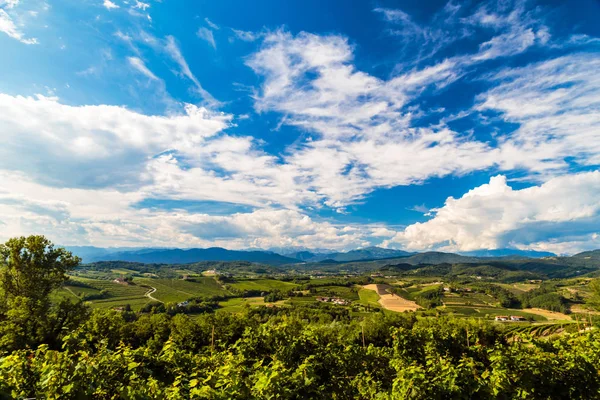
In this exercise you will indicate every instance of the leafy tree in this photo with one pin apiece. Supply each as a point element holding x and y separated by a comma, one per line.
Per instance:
<point>31,268</point>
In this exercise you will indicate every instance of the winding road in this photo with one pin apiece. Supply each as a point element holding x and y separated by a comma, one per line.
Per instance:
<point>148,294</point>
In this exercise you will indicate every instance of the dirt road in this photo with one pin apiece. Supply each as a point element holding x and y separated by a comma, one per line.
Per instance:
<point>148,294</point>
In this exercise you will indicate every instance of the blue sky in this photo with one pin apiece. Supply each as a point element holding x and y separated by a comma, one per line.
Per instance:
<point>438,125</point>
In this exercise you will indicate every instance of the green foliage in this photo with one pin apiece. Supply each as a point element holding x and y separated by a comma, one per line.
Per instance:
<point>594,299</point>
<point>30,270</point>
<point>545,297</point>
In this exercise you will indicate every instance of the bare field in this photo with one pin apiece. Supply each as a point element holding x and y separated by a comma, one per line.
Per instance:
<point>390,301</point>
<point>550,315</point>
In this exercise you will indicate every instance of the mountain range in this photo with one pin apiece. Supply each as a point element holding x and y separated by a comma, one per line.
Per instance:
<point>293,256</point>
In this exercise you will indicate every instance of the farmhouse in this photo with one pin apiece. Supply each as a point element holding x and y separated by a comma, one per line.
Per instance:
<point>334,300</point>
<point>517,318</point>
<point>121,281</point>
<point>501,318</point>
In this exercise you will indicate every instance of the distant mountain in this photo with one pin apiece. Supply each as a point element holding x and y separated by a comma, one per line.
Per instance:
<point>302,255</point>
<point>368,253</point>
<point>179,256</point>
<point>508,253</point>
<point>436,257</point>
<point>92,253</point>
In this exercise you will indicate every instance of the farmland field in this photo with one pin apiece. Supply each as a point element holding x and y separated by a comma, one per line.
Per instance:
<point>263,285</point>
<point>238,304</point>
<point>345,292</point>
<point>176,290</point>
<point>369,297</point>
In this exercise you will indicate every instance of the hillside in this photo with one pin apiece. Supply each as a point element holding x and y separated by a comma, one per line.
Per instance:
<point>588,255</point>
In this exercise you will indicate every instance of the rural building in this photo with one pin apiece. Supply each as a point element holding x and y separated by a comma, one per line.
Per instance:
<point>121,281</point>
<point>334,300</point>
<point>517,318</point>
<point>501,318</point>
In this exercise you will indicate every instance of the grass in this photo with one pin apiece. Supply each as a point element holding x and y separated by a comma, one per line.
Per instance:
<point>176,290</point>
<point>118,295</point>
<point>238,304</point>
<point>134,302</point>
<point>453,299</point>
<point>368,297</point>
<point>124,271</point>
<point>266,285</point>
<point>348,293</point>
<point>302,300</point>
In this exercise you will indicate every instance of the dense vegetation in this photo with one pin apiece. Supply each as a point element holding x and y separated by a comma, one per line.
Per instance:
<point>63,349</point>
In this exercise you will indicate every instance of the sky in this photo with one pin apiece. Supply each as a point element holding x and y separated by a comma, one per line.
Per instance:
<point>339,124</point>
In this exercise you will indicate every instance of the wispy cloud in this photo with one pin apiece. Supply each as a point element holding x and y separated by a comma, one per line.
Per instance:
<point>557,106</point>
<point>211,24</point>
<point>174,52</point>
<point>207,35</point>
<point>139,65</point>
<point>8,26</point>
<point>246,36</point>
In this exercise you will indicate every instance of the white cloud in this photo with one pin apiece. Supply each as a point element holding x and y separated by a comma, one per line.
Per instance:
<point>557,106</point>
<point>139,65</point>
<point>8,26</point>
<point>514,26</point>
<point>105,217</point>
<point>246,36</point>
<point>207,35</point>
<point>80,146</point>
<point>109,5</point>
<point>172,49</point>
<point>8,4</point>
<point>211,24</point>
<point>496,216</point>
<point>362,124</point>
<point>141,6</point>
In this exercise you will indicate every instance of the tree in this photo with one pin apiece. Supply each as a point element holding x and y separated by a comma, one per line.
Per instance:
<point>31,268</point>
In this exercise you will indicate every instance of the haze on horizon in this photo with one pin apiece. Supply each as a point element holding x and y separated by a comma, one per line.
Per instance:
<point>335,125</point>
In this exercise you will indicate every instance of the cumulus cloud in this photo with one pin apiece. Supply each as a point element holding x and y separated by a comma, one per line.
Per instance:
<point>80,146</point>
<point>142,6</point>
<point>109,5</point>
<point>495,215</point>
<point>105,217</point>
